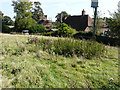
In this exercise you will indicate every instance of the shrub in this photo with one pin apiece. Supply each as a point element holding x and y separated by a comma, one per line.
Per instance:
<point>70,47</point>
<point>82,34</point>
<point>37,28</point>
<point>108,40</point>
<point>64,30</point>
<point>51,33</point>
<point>5,29</point>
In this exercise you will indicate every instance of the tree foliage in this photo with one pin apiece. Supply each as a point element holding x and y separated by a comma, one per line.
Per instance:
<point>37,11</point>
<point>23,10</point>
<point>7,20</point>
<point>4,23</point>
<point>114,25</point>
<point>35,28</point>
<point>63,14</point>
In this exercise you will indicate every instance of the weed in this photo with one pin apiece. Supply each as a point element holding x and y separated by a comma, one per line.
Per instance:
<point>70,47</point>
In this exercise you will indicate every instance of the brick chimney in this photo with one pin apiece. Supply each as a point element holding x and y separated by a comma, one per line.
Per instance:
<point>83,12</point>
<point>45,17</point>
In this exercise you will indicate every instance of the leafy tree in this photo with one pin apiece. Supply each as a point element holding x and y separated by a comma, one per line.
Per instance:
<point>23,10</point>
<point>37,11</point>
<point>63,14</point>
<point>114,25</point>
<point>3,28</point>
<point>8,21</point>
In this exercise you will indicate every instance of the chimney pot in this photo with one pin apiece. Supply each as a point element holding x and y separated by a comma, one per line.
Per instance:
<point>83,12</point>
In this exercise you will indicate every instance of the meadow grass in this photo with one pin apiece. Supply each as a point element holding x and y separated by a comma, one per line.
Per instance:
<point>26,66</point>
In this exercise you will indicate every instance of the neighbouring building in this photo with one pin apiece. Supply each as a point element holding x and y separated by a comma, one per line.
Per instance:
<point>80,22</point>
<point>104,25</point>
<point>45,22</point>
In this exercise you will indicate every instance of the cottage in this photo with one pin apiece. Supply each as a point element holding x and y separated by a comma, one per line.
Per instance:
<point>80,22</point>
<point>45,22</point>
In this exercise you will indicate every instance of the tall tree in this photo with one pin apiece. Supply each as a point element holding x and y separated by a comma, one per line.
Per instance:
<point>37,11</point>
<point>62,16</point>
<point>23,18</point>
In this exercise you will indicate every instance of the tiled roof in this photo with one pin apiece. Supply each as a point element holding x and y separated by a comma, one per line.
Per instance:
<point>79,22</point>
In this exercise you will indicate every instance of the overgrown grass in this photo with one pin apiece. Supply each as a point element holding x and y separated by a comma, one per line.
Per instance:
<point>69,47</point>
<point>27,66</point>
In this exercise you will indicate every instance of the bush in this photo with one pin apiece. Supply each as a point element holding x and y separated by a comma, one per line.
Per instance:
<point>51,33</point>
<point>70,47</point>
<point>82,34</point>
<point>37,28</point>
<point>64,30</point>
<point>108,40</point>
<point>5,29</point>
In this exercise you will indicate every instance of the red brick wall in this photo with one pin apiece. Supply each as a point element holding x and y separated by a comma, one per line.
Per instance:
<point>90,21</point>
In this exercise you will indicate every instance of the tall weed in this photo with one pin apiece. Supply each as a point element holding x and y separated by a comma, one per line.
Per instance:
<point>69,47</point>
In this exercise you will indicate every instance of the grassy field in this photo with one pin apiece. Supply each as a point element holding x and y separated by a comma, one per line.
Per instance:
<point>39,69</point>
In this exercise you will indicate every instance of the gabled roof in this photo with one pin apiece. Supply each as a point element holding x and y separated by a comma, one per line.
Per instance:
<point>79,22</point>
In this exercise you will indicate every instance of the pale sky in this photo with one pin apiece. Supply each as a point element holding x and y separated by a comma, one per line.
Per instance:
<point>73,7</point>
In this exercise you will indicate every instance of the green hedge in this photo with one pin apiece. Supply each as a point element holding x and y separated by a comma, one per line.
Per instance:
<point>108,40</point>
<point>82,34</point>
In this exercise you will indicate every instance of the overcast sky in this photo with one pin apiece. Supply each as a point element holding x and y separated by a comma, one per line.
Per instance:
<point>73,7</point>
